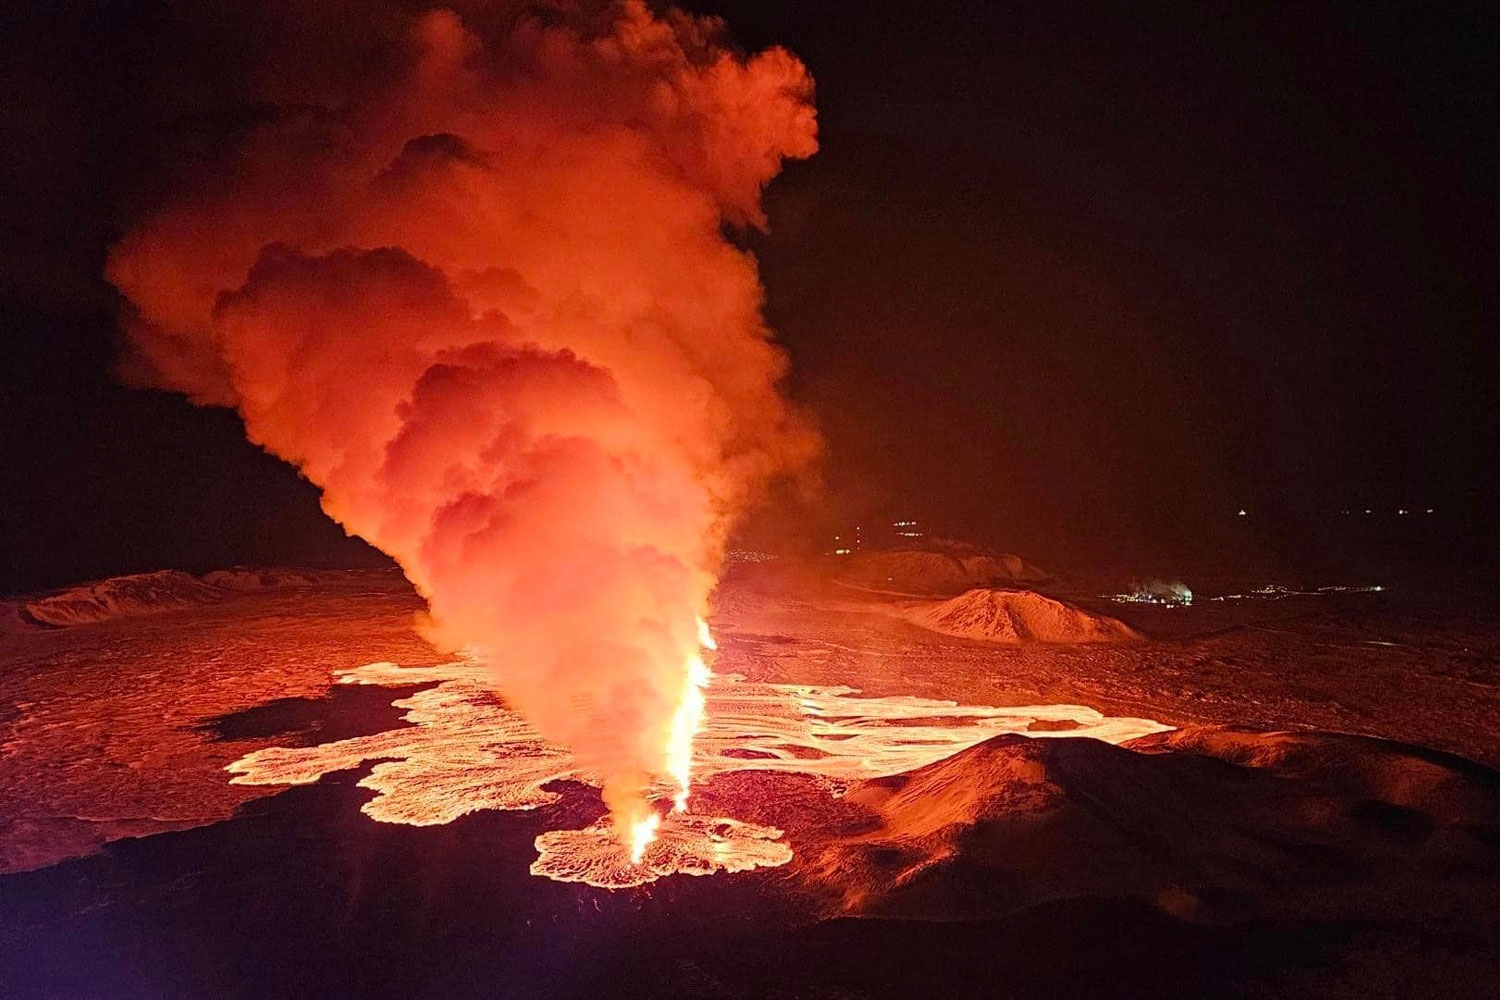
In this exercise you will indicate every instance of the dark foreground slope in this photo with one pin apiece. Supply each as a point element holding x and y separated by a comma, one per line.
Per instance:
<point>1313,867</point>
<point>1207,862</point>
<point>1209,824</point>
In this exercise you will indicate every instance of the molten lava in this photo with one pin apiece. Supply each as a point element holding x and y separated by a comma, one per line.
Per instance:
<point>642,833</point>
<point>464,752</point>
<point>689,718</point>
<point>476,285</point>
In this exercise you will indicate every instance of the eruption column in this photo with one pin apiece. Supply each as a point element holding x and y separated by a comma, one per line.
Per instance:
<point>470,276</point>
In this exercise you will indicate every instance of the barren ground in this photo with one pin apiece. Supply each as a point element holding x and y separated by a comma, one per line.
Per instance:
<point>115,738</point>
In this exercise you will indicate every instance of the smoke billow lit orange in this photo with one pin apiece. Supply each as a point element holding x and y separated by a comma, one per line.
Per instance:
<point>488,307</point>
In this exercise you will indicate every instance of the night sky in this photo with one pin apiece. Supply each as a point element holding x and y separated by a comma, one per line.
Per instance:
<point>1077,281</point>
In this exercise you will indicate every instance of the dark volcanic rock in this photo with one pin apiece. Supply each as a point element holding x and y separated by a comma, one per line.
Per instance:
<point>1208,824</point>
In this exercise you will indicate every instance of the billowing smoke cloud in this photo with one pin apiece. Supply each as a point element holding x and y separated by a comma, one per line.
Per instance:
<point>469,275</point>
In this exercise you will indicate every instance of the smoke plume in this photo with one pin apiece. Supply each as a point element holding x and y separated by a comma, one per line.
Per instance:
<point>468,273</point>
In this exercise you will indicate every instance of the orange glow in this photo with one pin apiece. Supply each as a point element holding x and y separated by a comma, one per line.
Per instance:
<point>463,752</point>
<point>642,833</point>
<point>689,719</point>
<point>488,306</point>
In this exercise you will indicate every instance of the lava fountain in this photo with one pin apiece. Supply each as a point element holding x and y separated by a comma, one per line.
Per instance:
<point>469,274</point>
<point>689,718</point>
<point>686,722</point>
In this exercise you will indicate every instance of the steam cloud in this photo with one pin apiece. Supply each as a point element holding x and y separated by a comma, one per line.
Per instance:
<point>468,274</point>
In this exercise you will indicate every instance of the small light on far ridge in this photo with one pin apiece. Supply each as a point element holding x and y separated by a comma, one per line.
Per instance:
<point>1242,512</point>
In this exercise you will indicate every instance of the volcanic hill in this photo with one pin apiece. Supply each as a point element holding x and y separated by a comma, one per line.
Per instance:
<point>1017,616</point>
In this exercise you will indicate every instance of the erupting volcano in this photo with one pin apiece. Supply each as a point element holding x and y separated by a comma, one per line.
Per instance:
<point>488,306</point>
<point>426,572</point>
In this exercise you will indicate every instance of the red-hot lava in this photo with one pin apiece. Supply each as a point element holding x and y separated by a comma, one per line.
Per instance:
<point>468,274</point>
<point>464,753</point>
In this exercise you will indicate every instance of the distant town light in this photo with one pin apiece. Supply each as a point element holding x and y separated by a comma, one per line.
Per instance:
<point>1243,512</point>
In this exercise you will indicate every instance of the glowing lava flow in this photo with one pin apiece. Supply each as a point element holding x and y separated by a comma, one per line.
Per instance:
<point>464,751</point>
<point>689,719</point>
<point>685,725</point>
<point>642,833</point>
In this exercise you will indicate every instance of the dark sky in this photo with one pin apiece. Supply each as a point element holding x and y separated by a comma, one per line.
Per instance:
<point>1107,268</point>
<point>1068,277</point>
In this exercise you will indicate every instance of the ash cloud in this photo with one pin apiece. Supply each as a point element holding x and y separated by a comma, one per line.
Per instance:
<point>466,270</point>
